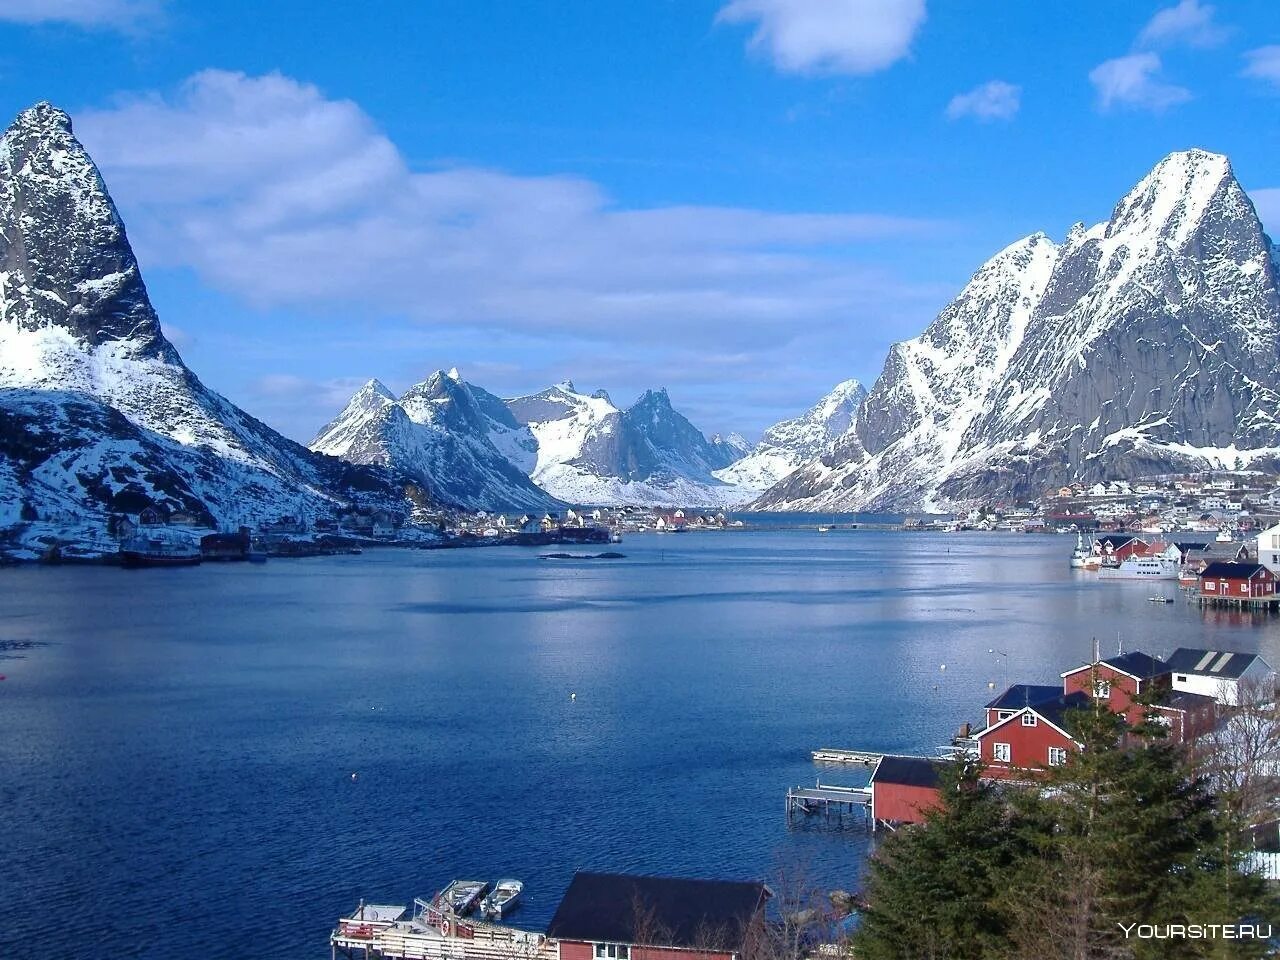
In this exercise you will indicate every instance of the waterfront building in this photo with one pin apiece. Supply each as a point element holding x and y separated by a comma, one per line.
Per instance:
<point>1220,675</point>
<point>611,916</point>
<point>904,789</point>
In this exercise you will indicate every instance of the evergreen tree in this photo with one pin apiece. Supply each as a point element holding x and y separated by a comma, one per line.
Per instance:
<point>932,888</point>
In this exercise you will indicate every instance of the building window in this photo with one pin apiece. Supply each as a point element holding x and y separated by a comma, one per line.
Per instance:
<point>1057,756</point>
<point>1028,719</point>
<point>1210,585</point>
<point>1180,678</point>
<point>1000,751</point>
<point>1004,714</point>
<point>612,951</point>
<point>1102,689</point>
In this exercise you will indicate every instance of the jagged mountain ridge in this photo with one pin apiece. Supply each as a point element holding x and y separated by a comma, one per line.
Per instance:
<point>439,434</point>
<point>81,345</point>
<point>1143,345</point>
<point>789,444</point>
<point>558,445</point>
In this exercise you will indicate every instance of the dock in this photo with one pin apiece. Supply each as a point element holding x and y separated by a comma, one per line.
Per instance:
<point>1270,603</point>
<point>432,933</point>
<point>826,798</point>
<point>867,758</point>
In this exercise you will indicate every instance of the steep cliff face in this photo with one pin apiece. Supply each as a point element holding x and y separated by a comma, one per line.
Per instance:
<point>1145,344</point>
<point>81,344</point>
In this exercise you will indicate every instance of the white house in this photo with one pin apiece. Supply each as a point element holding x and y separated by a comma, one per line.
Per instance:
<point>1218,674</point>
<point>1269,548</point>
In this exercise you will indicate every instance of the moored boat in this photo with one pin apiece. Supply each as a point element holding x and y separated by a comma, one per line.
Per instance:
<point>462,896</point>
<point>1079,556</point>
<point>159,550</point>
<point>1140,568</point>
<point>504,898</point>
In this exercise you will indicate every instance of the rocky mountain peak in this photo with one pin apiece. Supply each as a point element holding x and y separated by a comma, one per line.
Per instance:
<point>42,119</point>
<point>1175,196</point>
<point>65,260</point>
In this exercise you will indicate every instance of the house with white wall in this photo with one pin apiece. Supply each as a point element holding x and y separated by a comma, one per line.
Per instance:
<point>1219,674</point>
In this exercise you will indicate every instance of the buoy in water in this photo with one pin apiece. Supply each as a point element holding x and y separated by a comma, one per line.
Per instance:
<point>573,696</point>
<point>942,667</point>
<point>353,776</point>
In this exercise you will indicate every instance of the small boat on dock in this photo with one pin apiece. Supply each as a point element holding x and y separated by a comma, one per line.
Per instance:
<point>462,896</point>
<point>504,898</point>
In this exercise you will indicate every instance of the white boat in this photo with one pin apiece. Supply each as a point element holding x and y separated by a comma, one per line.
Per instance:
<point>1079,556</point>
<point>503,899</point>
<point>1141,568</point>
<point>461,896</point>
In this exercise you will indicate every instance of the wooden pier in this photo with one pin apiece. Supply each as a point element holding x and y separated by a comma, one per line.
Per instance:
<point>826,798</point>
<point>831,755</point>
<point>389,933</point>
<point>1271,603</point>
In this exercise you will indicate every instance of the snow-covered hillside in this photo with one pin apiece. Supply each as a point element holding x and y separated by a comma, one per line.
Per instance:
<point>789,444</point>
<point>1148,343</point>
<point>99,413</point>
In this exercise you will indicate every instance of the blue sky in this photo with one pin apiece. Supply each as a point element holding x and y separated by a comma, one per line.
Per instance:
<point>743,200</point>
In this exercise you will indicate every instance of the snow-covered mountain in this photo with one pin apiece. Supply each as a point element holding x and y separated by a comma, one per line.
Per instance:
<point>470,447</point>
<point>441,433</point>
<point>792,443</point>
<point>1148,343</point>
<point>589,451</point>
<point>98,413</point>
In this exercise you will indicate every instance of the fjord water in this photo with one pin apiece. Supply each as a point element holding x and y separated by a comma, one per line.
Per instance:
<point>178,745</point>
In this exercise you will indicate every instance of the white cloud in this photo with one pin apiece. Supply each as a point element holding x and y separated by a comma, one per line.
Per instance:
<point>118,14</point>
<point>829,36</point>
<point>994,100</point>
<point>275,194</point>
<point>1134,81</point>
<point>1267,202</point>
<point>1263,64</point>
<point>1187,22</point>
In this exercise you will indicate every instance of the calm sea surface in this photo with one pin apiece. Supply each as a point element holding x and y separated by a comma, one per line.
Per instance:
<point>177,746</point>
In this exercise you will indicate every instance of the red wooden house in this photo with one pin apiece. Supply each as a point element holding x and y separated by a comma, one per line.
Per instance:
<point>904,789</point>
<point>1029,740</point>
<point>1117,680</point>
<point>609,916</point>
<point>1234,580</point>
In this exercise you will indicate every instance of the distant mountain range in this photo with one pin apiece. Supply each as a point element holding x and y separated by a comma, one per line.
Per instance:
<point>1146,344</point>
<point>98,413</point>
<point>467,446</point>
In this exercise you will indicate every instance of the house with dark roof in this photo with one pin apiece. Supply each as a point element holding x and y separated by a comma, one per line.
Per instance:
<point>1118,681</point>
<point>1029,741</point>
<point>1018,696</point>
<point>1221,675</point>
<point>904,789</point>
<point>1234,580</point>
<point>613,916</point>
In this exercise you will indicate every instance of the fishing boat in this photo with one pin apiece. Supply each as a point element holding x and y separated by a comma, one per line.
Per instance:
<point>159,549</point>
<point>1079,556</point>
<point>503,899</point>
<point>1160,599</point>
<point>462,896</point>
<point>1140,568</point>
